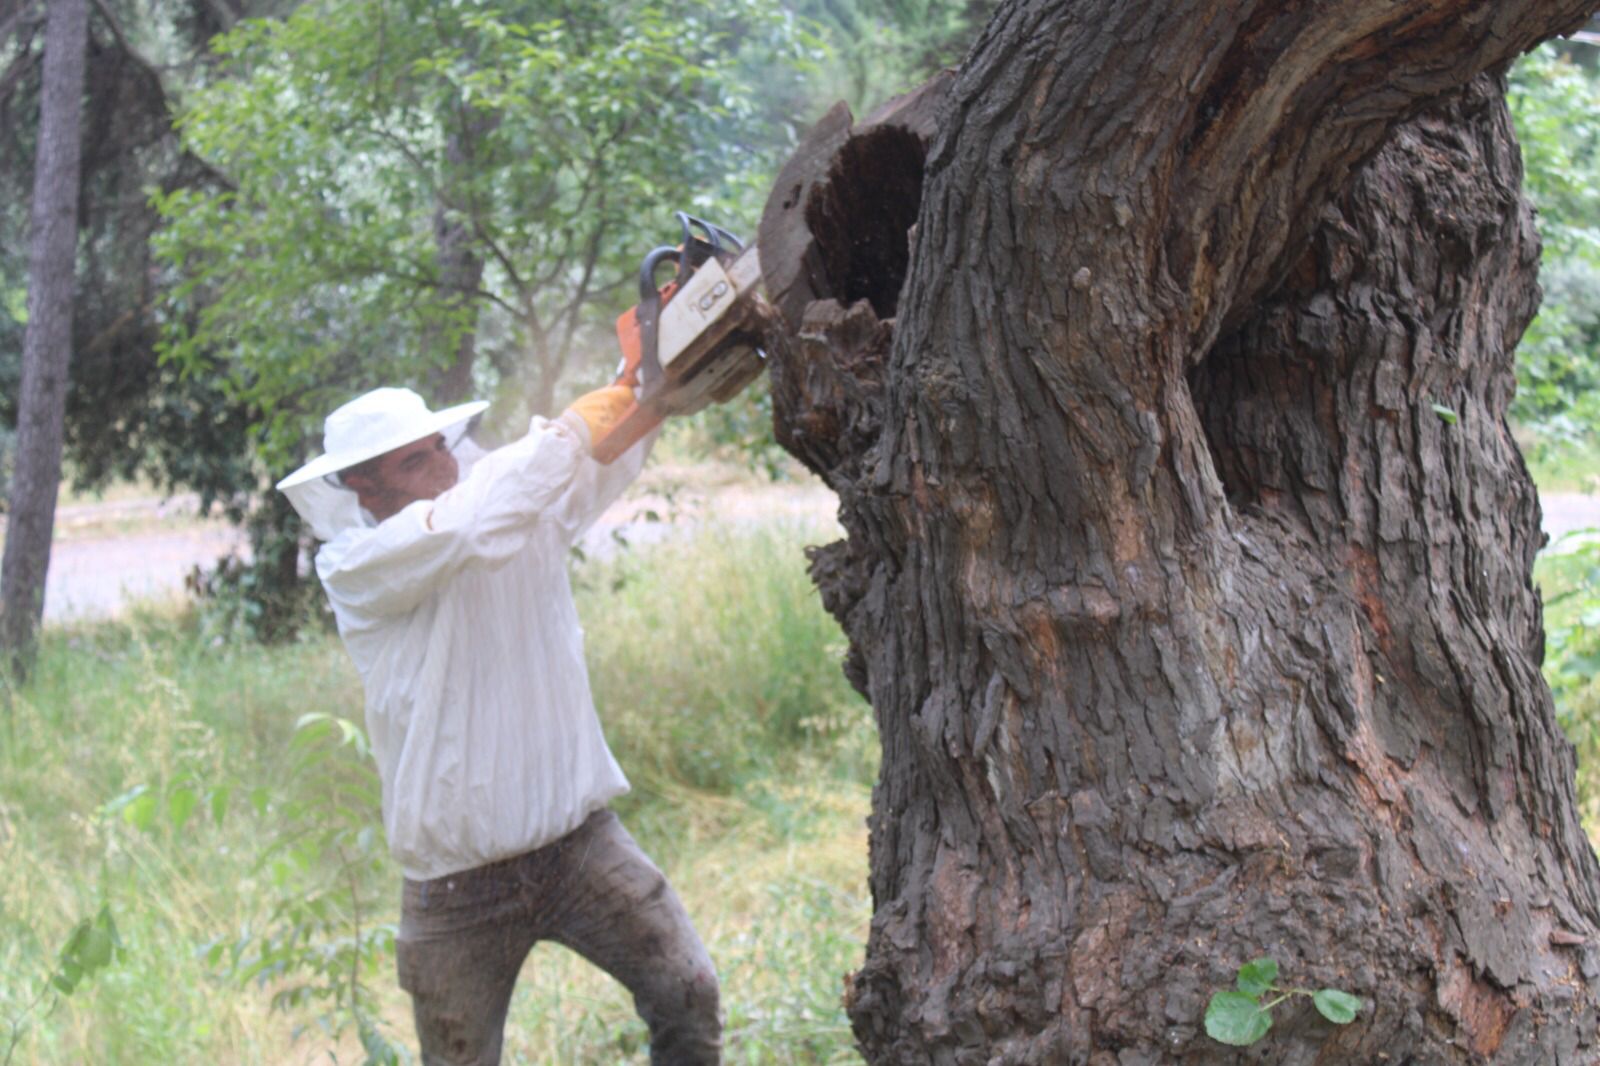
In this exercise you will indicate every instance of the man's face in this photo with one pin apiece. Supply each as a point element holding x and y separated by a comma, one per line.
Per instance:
<point>420,470</point>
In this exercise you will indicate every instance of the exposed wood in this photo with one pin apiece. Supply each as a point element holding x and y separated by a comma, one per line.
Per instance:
<point>794,251</point>
<point>1193,634</point>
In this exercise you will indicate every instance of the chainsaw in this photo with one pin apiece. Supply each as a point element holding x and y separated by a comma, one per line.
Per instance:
<point>694,341</point>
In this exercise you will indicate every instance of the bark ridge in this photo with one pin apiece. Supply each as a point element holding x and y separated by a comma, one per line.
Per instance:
<point>1193,632</point>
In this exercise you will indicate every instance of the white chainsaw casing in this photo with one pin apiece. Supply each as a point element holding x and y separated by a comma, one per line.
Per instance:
<point>694,310</point>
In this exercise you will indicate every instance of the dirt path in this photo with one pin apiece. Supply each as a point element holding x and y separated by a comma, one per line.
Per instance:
<point>109,555</point>
<point>1568,512</point>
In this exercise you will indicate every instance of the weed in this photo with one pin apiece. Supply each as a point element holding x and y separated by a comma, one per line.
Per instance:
<point>1242,1015</point>
<point>146,765</point>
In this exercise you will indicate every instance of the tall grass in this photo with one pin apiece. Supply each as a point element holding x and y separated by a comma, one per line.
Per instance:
<point>717,677</point>
<point>1569,578</point>
<point>710,660</point>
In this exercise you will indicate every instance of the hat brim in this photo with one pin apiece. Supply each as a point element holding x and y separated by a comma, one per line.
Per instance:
<point>333,462</point>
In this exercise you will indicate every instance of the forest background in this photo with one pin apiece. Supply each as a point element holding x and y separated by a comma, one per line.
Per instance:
<point>284,203</point>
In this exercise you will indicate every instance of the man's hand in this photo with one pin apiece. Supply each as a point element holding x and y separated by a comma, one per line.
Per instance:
<point>602,409</point>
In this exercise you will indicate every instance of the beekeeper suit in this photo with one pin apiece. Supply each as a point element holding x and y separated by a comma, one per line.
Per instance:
<point>446,570</point>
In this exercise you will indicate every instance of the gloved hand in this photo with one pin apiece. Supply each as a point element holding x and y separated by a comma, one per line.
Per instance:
<point>602,409</point>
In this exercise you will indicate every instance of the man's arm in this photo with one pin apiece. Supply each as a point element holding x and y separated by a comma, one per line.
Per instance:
<point>489,516</point>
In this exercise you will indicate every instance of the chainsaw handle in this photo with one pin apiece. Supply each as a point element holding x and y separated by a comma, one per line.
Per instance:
<point>649,312</point>
<point>648,293</point>
<point>715,235</point>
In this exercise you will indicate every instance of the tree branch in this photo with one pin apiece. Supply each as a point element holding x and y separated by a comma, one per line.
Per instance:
<point>572,308</point>
<point>128,49</point>
<point>15,19</point>
<point>501,256</point>
<point>442,196</point>
<point>423,281</point>
<point>224,14</point>
<point>18,69</point>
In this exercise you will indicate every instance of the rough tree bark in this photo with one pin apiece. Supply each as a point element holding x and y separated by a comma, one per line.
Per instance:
<point>47,340</point>
<point>1192,631</point>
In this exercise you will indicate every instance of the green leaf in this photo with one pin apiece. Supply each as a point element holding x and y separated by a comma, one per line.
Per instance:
<point>1256,977</point>
<point>109,924</point>
<point>219,803</point>
<point>141,810</point>
<point>1236,1019</point>
<point>1446,414</point>
<point>95,951</point>
<point>68,977</point>
<point>1336,1006</point>
<point>180,805</point>
<point>74,944</point>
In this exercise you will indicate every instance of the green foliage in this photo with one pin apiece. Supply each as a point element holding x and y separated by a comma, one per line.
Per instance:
<point>1237,1018</point>
<point>1338,1007</point>
<point>877,48</point>
<point>1242,1015</point>
<point>1555,104</point>
<point>146,764</point>
<point>1572,641</point>
<point>326,862</point>
<point>321,946</point>
<point>740,429</point>
<point>549,141</point>
<point>1568,574</point>
<point>264,597</point>
<point>708,657</point>
<point>93,945</point>
<point>126,415</point>
<point>1255,978</point>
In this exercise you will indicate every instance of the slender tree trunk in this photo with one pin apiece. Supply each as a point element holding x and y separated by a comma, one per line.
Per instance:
<point>47,341</point>
<point>1194,633</point>
<point>460,258</point>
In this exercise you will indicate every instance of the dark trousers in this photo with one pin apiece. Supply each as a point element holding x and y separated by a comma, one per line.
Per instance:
<point>463,939</point>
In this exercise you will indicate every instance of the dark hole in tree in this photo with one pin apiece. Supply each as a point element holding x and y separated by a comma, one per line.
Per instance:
<point>861,215</point>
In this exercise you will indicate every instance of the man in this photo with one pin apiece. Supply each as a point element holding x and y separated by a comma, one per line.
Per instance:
<point>450,590</point>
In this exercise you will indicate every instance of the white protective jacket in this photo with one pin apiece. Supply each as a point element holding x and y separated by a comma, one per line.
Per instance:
<point>459,616</point>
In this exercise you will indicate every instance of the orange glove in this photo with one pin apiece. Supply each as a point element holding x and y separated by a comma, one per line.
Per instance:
<point>602,409</point>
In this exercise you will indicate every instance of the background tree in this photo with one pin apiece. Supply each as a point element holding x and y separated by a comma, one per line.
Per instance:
<point>1556,104</point>
<point>126,414</point>
<point>47,343</point>
<point>877,48</point>
<point>1188,557</point>
<point>414,184</point>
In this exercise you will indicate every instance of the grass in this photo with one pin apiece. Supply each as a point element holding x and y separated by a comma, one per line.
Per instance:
<point>1568,574</point>
<point>717,675</point>
<point>1562,466</point>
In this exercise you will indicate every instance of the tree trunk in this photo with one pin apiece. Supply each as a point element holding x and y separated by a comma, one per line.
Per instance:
<point>1194,631</point>
<point>460,258</point>
<point>47,341</point>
